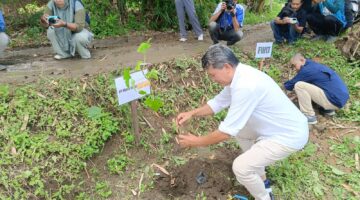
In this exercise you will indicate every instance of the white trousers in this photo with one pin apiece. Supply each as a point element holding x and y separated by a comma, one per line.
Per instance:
<point>249,167</point>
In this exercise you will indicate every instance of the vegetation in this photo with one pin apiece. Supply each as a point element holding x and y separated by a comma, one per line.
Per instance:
<point>48,133</point>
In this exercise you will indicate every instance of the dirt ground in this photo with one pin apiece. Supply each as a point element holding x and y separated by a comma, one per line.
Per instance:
<point>28,65</point>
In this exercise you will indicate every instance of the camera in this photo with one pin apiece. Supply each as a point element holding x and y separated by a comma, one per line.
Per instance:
<point>52,19</point>
<point>229,4</point>
<point>293,20</point>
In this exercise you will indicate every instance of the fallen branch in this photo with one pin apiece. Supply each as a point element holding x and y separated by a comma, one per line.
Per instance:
<point>349,188</point>
<point>163,170</point>
<point>148,123</point>
<point>357,165</point>
<point>140,182</point>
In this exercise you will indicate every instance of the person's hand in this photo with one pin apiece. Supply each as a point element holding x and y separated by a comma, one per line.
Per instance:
<point>183,117</point>
<point>44,20</point>
<point>187,140</point>
<point>59,23</point>
<point>223,6</point>
<point>287,20</point>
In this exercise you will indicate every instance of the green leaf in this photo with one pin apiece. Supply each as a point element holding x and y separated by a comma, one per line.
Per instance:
<point>142,92</point>
<point>336,171</point>
<point>153,74</point>
<point>138,65</point>
<point>154,103</point>
<point>144,47</point>
<point>127,77</point>
<point>94,112</point>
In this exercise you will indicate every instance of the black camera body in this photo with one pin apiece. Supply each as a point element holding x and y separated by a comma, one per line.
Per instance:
<point>53,19</point>
<point>229,4</point>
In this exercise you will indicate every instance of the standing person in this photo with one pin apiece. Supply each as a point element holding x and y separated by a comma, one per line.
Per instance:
<point>188,6</point>
<point>317,83</point>
<point>290,22</point>
<point>267,125</point>
<point>328,19</point>
<point>68,33</point>
<point>226,22</point>
<point>4,39</point>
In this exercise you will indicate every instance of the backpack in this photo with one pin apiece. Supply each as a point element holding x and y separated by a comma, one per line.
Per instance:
<point>87,16</point>
<point>351,11</point>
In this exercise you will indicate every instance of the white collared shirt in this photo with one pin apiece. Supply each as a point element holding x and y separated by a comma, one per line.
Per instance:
<point>256,102</point>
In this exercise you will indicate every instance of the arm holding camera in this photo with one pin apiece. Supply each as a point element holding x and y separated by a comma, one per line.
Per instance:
<point>234,19</point>
<point>216,15</point>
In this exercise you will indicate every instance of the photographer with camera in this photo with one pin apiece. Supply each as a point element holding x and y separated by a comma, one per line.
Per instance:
<point>4,39</point>
<point>290,22</point>
<point>67,28</point>
<point>226,22</point>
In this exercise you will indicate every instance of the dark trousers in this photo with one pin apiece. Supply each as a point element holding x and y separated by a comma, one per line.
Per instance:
<point>231,36</point>
<point>282,31</point>
<point>324,25</point>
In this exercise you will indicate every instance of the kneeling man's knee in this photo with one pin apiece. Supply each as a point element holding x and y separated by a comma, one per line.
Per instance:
<point>240,169</point>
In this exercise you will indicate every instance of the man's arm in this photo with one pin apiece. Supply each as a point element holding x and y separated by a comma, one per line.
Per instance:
<point>215,16</point>
<point>190,140</point>
<point>298,28</point>
<point>2,22</point>
<point>198,112</point>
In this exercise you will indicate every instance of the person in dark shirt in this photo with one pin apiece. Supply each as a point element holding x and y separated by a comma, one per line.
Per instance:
<point>290,23</point>
<point>317,83</point>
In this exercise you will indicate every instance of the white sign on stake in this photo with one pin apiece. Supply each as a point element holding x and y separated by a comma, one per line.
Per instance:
<point>127,94</point>
<point>263,50</point>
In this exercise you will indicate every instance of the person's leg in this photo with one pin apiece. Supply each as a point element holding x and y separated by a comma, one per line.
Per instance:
<point>293,35</point>
<point>248,166</point>
<point>81,41</point>
<point>316,23</point>
<point>4,41</point>
<point>55,45</point>
<point>190,11</point>
<point>232,36</point>
<point>307,93</point>
<point>332,26</point>
<point>214,31</point>
<point>276,31</point>
<point>179,4</point>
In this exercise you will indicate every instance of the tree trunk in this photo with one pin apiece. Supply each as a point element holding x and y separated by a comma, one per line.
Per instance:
<point>350,45</point>
<point>121,5</point>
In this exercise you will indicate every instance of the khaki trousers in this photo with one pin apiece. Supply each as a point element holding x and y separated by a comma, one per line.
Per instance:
<point>249,167</point>
<point>307,93</point>
<point>4,41</point>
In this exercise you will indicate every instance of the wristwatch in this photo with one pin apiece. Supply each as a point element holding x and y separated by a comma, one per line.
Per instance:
<point>65,25</point>
<point>232,14</point>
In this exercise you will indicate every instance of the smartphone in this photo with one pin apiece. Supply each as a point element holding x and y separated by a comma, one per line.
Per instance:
<point>293,20</point>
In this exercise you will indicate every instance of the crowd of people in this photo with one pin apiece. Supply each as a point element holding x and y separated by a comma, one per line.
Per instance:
<point>266,123</point>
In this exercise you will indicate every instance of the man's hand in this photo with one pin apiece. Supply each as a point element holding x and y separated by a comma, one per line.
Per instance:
<point>183,117</point>
<point>187,140</point>
<point>287,20</point>
<point>223,6</point>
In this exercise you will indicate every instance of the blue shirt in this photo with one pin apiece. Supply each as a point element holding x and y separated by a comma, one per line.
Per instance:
<point>336,8</point>
<point>324,78</point>
<point>2,23</point>
<point>225,20</point>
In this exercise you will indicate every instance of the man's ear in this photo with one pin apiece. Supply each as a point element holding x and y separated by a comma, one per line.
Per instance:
<point>227,66</point>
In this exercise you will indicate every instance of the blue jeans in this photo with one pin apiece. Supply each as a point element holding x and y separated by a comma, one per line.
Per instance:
<point>284,31</point>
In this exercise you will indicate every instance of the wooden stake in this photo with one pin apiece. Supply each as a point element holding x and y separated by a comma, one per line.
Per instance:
<point>261,64</point>
<point>135,122</point>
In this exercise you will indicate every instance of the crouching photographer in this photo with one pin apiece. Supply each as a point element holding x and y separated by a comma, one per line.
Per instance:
<point>67,28</point>
<point>226,22</point>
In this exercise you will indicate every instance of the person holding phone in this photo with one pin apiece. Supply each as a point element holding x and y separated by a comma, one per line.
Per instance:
<point>290,23</point>
<point>67,28</point>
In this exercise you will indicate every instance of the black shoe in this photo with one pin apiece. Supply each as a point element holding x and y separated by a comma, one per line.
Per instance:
<point>324,112</point>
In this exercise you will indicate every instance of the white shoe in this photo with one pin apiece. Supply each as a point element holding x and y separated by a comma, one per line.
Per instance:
<point>201,37</point>
<point>58,57</point>
<point>182,39</point>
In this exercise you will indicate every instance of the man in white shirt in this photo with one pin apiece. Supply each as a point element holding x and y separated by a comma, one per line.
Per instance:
<point>267,125</point>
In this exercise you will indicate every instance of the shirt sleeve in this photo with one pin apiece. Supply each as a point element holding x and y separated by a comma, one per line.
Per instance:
<point>240,15</point>
<point>304,75</point>
<point>80,15</point>
<point>333,6</point>
<point>220,101</point>
<point>2,23</point>
<point>243,104</point>
<point>218,8</point>
<point>301,17</point>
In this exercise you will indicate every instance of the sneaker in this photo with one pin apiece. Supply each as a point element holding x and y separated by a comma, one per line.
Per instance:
<point>3,67</point>
<point>318,37</point>
<point>267,184</point>
<point>326,112</point>
<point>201,37</point>
<point>330,39</point>
<point>182,39</point>
<point>59,57</point>
<point>311,119</point>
